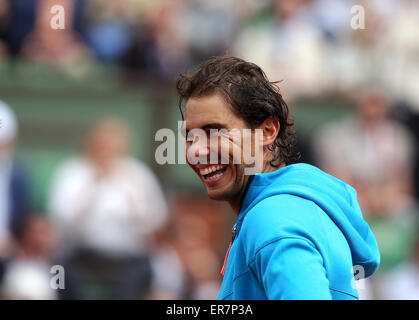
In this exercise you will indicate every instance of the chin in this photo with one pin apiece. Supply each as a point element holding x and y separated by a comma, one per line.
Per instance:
<point>218,196</point>
<point>223,193</point>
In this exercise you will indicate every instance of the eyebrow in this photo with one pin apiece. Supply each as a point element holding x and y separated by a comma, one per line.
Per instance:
<point>214,125</point>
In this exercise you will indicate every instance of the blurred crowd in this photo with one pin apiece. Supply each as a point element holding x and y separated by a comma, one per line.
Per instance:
<point>309,44</point>
<point>108,225</point>
<point>111,225</point>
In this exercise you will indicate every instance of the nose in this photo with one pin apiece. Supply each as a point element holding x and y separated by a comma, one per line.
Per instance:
<point>201,150</point>
<point>198,152</point>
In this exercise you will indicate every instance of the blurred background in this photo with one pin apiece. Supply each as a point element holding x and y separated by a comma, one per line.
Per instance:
<point>79,184</point>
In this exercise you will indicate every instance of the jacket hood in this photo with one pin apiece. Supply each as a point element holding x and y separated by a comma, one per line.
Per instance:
<point>335,197</point>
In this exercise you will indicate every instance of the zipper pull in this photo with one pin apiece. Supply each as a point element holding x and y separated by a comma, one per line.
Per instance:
<point>233,233</point>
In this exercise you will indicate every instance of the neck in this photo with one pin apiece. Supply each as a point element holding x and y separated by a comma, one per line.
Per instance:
<point>236,203</point>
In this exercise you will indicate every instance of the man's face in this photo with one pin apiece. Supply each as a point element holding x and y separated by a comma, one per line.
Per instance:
<point>224,180</point>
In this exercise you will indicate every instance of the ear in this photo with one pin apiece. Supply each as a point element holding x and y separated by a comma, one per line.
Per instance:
<point>270,129</point>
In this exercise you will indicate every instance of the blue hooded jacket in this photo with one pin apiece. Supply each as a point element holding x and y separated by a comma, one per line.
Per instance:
<point>298,235</point>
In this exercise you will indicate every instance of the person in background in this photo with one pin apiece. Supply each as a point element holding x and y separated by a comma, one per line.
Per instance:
<point>408,115</point>
<point>14,188</point>
<point>27,272</point>
<point>4,7</point>
<point>375,154</point>
<point>108,28</point>
<point>60,47</point>
<point>288,45</point>
<point>193,247</point>
<point>106,206</point>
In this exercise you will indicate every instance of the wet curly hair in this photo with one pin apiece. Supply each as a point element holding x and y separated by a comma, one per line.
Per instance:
<point>250,94</point>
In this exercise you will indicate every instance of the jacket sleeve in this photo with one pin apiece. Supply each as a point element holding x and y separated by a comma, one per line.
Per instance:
<point>291,269</point>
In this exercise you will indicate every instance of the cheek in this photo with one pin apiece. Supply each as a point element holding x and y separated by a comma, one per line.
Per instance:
<point>223,150</point>
<point>231,148</point>
<point>191,154</point>
<point>187,152</point>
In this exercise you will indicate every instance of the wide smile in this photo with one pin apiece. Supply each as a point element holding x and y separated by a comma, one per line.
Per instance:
<point>213,174</point>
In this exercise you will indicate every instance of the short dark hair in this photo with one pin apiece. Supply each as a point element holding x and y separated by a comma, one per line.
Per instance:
<point>251,95</point>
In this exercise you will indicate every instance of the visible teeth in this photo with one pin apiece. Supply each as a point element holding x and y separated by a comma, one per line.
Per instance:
<point>211,169</point>
<point>215,176</point>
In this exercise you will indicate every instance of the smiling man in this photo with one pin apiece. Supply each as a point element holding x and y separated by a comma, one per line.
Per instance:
<point>299,231</point>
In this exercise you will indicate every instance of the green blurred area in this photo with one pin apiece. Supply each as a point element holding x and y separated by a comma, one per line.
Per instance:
<point>56,107</point>
<point>395,238</point>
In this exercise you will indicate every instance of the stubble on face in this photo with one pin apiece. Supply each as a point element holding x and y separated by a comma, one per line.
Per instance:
<point>213,112</point>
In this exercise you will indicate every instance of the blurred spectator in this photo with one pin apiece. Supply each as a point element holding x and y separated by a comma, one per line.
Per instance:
<point>401,47</point>
<point>202,230</point>
<point>18,20</point>
<point>4,7</point>
<point>14,190</point>
<point>107,206</point>
<point>207,27</point>
<point>407,115</point>
<point>374,154</point>
<point>173,36</point>
<point>192,245</point>
<point>159,51</point>
<point>371,152</point>
<point>199,258</point>
<point>167,283</point>
<point>286,42</point>
<point>62,47</point>
<point>359,57</point>
<point>108,29</point>
<point>27,273</point>
<point>331,17</point>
